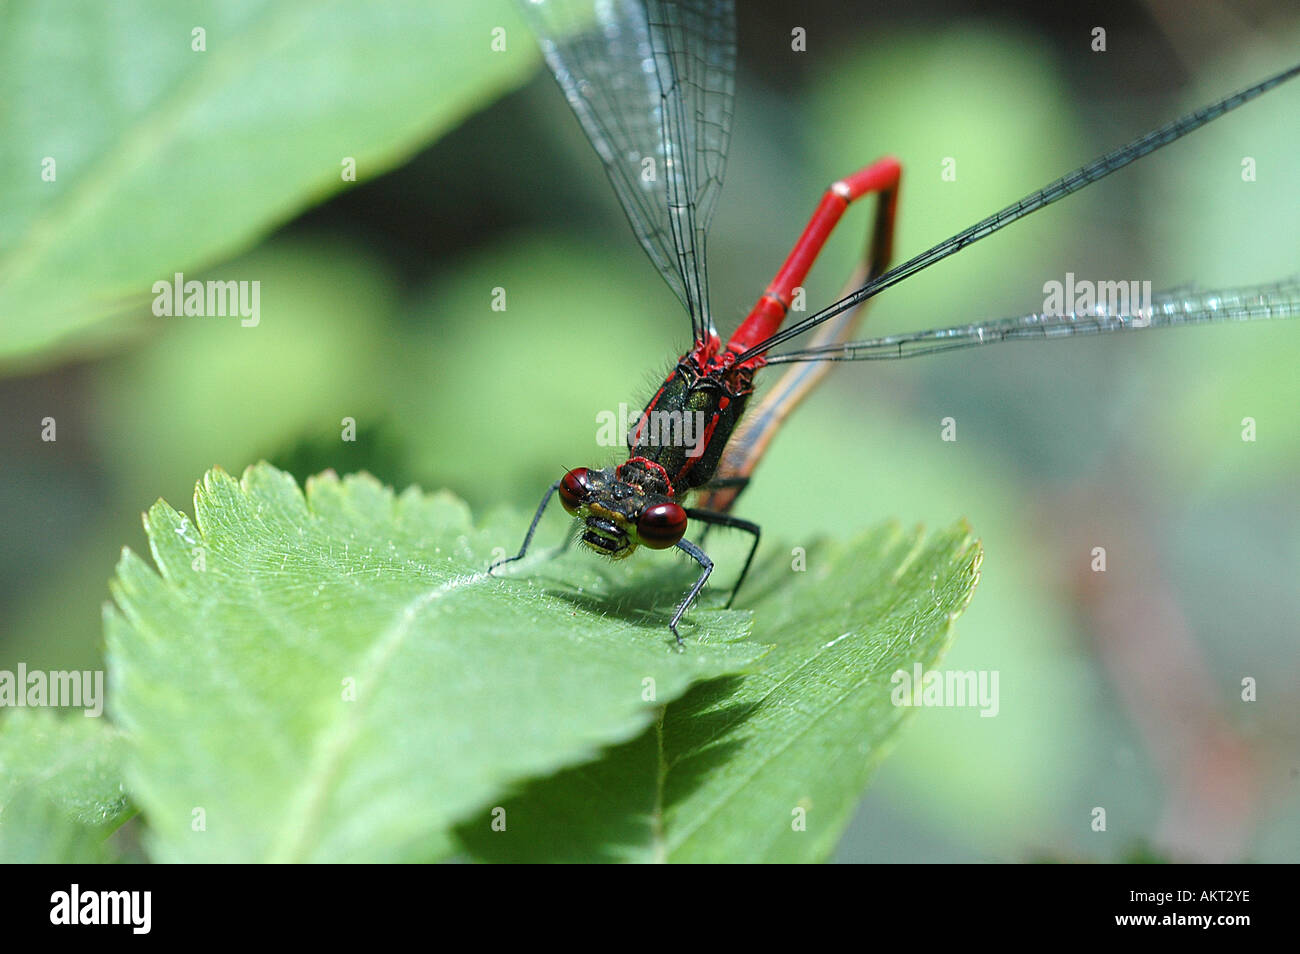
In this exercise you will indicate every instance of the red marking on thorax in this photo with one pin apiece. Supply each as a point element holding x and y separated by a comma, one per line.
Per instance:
<point>648,465</point>
<point>645,415</point>
<point>708,438</point>
<point>705,353</point>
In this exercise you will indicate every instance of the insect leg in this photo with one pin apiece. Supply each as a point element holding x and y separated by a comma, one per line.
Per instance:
<point>532,527</point>
<point>711,518</point>
<point>706,567</point>
<point>721,490</point>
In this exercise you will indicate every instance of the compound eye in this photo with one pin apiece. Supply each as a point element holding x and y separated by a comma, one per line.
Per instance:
<point>661,525</point>
<point>574,489</point>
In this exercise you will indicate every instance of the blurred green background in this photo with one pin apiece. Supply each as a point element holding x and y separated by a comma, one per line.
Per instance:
<point>1120,690</point>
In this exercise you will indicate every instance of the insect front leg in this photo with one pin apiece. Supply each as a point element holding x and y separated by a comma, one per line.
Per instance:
<point>706,567</point>
<point>532,528</point>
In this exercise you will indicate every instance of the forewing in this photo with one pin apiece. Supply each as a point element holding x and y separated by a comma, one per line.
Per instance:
<point>652,84</point>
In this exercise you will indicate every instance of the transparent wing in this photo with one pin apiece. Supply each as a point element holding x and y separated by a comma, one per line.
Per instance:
<point>1053,192</point>
<point>652,84</point>
<point>1167,309</point>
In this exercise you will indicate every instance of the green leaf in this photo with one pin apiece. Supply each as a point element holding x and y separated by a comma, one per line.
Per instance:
<point>61,792</point>
<point>169,158</point>
<point>720,775</point>
<point>335,677</point>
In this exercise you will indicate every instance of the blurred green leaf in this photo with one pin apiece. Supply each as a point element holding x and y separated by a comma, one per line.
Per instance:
<point>170,158</point>
<point>724,773</point>
<point>60,787</point>
<point>335,676</point>
<point>232,393</point>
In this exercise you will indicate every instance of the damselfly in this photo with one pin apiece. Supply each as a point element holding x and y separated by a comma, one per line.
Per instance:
<point>651,82</point>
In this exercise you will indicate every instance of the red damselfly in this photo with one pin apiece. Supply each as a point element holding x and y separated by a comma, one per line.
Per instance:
<point>651,83</point>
